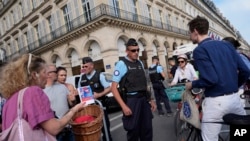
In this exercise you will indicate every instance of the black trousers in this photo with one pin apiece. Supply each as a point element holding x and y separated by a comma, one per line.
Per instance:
<point>139,124</point>
<point>161,96</point>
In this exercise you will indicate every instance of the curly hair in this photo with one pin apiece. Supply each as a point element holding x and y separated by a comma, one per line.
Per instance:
<point>201,24</point>
<point>15,75</point>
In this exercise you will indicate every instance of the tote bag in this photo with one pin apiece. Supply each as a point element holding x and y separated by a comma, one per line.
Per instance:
<point>20,129</point>
<point>189,110</point>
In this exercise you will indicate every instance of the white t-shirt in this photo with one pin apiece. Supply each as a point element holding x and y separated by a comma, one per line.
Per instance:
<point>187,73</point>
<point>58,94</point>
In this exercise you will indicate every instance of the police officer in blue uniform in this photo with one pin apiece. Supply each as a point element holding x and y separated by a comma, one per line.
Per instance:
<point>96,80</point>
<point>137,114</point>
<point>157,75</point>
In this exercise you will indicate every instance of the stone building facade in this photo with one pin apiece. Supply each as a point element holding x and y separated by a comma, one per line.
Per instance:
<point>64,31</point>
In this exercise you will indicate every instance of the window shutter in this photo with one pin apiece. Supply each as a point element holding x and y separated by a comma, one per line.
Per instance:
<point>40,29</point>
<point>53,21</point>
<point>20,42</point>
<point>24,7</point>
<point>58,23</point>
<point>19,12</point>
<point>91,6</point>
<point>15,15</point>
<point>29,6</point>
<point>76,7</point>
<point>12,46</point>
<point>70,12</point>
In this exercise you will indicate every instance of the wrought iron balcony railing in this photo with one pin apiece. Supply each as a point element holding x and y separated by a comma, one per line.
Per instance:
<point>101,10</point>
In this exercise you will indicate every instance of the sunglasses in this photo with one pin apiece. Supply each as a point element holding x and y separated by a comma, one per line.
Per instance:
<point>181,62</point>
<point>134,50</point>
<point>84,66</point>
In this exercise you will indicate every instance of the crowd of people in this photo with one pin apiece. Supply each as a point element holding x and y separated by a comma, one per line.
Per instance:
<point>49,103</point>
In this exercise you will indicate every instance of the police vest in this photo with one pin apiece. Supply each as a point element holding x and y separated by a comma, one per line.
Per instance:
<point>154,76</point>
<point>135,77</point>
<point>94,82</point>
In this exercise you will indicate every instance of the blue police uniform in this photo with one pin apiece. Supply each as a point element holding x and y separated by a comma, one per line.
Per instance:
<point>160,95</point>
<point>98,84</point>
<point>139,125</point>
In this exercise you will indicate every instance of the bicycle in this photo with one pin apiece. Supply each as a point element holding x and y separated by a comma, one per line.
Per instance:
<point>174,94</point>
<point>190,133</point>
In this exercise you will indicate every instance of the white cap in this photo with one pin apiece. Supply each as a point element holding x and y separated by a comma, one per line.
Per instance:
<point>184,56</point>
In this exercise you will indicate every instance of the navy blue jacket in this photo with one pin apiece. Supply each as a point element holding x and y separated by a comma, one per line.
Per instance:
<point>221,70</point>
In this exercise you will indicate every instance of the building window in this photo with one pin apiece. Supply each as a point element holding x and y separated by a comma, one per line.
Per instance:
<point>37,32</point>
<point>19,12</point>
<point>86,10</point>
<point>67,17</point>
<point>20,42</point>
<point>115,4</point>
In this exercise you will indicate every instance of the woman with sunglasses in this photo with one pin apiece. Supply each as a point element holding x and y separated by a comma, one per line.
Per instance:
<point>185,70</point>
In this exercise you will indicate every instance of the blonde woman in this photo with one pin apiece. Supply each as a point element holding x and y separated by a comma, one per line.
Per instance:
<point>30,71</point>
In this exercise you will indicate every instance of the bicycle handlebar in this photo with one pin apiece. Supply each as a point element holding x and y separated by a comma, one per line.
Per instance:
<point>178,84</point>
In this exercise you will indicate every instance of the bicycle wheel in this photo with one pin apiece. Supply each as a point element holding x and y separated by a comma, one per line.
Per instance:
<point>224,136</point>
<point>189,133</point>
<point>178,123</point>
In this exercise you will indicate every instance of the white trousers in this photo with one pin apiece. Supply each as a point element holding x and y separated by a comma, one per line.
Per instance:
<point>243,101</point>
<point>214,108</point>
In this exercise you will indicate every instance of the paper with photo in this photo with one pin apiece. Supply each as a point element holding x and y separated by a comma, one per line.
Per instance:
<point>86,95</point>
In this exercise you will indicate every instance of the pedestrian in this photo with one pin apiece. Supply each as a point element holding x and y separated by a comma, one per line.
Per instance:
<point>245,59</point>
<point>61,78</point>
<point>136,108</point>
<point>60,101</point>
<point>100,87</point>
<point>173,67</point>
<point>221,73</point>
<point>237,45</point>
<point>157,77</point>
<point>30,71</point>
<point>184,72</point>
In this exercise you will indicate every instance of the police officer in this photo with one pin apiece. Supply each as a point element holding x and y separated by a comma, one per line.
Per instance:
<point>137,114</point>
<point>157,76</point>
<point>96,80</point>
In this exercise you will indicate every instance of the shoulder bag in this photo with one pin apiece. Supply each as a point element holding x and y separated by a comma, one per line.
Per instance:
<point>189,110</point>
<point>20,129</point>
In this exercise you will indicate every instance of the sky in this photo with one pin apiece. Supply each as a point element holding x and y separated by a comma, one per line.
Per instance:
<point>238,13</point>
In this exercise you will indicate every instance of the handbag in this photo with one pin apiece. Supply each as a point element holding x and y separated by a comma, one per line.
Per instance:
<point>189,110</point>
<point>20,129</point>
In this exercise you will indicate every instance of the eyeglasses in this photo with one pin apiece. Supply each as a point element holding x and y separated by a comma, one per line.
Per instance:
<point>134,50</point>
<point>180,62</point>
<point>52,72</point>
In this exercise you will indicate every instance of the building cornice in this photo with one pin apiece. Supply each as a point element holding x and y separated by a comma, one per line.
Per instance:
<point>99,23</point>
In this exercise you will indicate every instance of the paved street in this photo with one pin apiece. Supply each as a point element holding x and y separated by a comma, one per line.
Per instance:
<point>162,126</point>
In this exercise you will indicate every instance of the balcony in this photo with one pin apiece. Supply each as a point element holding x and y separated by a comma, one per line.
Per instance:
<point>94,15</point>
